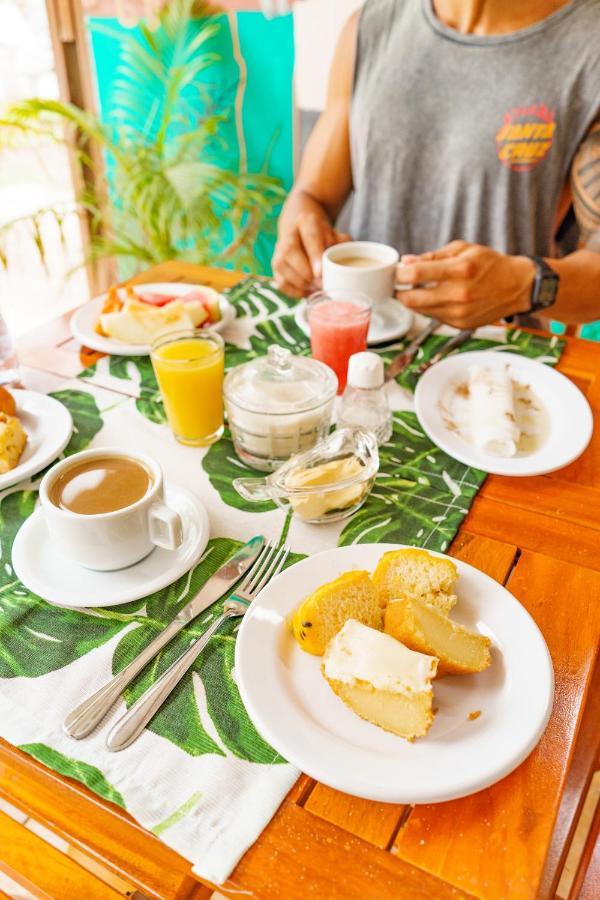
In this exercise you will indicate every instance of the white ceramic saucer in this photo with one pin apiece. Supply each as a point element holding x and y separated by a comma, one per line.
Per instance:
<point>83,321</point>
<point>49,426</point>
<point>390,320</point>
<point>50,575</point>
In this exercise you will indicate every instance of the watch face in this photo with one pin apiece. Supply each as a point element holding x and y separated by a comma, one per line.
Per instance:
<point>548,290</point>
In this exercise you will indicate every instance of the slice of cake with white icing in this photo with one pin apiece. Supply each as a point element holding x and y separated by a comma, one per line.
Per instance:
<point>381,680</point>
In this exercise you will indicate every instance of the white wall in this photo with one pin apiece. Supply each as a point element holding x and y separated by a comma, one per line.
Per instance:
<point>317,24</point>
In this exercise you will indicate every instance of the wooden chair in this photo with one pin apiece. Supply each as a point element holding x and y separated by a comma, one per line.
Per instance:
<point>586,884</point>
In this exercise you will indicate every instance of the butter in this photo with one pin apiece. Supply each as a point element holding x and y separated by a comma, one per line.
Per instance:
<point>360,653</point>
<point>316,505</point>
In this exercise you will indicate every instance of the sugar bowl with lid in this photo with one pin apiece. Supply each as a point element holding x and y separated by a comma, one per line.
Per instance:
<point>278,405</point>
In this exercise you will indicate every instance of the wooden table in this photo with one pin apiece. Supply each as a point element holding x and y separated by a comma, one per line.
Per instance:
<point>538,536</point>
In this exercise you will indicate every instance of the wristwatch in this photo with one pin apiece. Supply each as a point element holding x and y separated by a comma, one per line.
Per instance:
<point>544,289</point>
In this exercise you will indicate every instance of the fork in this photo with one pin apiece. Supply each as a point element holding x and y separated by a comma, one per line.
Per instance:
<point>456,341</point>
<point>129,727</point>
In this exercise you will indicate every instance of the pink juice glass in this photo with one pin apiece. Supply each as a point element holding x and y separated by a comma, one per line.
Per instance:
<point>339,324</point>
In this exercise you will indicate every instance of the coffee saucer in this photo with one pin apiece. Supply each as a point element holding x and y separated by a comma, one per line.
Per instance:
<point>390,320</point>
<point>50,575</point>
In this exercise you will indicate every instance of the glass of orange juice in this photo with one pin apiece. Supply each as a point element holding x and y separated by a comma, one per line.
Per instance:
<point>189,368</point>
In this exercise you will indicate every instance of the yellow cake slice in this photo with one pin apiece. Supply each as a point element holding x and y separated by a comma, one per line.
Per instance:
<point>321,615</point>
<point>424,628</point>
<point>381,680</point>
<point>416,575</point>
<point>12,442</point>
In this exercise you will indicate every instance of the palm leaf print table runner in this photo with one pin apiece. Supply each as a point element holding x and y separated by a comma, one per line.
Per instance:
<point>200,777</point>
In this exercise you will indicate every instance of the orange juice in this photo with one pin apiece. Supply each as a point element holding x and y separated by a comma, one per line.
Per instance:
<point>189,370</point>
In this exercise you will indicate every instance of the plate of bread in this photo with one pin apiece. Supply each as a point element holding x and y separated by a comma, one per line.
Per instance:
<point>129,318</point>
<point>394,673</point>
<point>34,430</point>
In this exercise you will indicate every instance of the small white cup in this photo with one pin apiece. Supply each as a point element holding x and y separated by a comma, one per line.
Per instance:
<point>377,281</point>
<point>112,540</point>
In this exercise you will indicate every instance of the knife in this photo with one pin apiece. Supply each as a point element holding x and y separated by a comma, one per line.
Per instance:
<point>85,717</point>
<point>402,360</point>
<point>457,341</point>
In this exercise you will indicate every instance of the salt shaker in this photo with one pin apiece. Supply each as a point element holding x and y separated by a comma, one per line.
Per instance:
<point>364,402</point>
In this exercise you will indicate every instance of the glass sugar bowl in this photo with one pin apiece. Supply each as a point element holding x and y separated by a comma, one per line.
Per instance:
<point>327,483</point>
<point>278,405</point>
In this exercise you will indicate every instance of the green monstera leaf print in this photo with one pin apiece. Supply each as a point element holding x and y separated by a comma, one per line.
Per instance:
<point>281,330</point>
<point>421,494</point>
<point>222,465</point>
<point>73,768</point>
<point>258,299</point>
<point>35,637</point>
<point>179,719</point>
<point>516,341</point>
<point>87,420</point>
<point>139,369</point>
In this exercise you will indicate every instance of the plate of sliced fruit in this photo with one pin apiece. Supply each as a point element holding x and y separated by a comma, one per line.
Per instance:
<point>127,319</point>
<point>394,673</point>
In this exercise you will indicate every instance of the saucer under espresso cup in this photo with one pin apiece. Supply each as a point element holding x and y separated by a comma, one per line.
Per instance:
<point>105,508</point>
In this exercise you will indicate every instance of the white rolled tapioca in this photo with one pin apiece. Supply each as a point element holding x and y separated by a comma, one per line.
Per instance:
<point>493,425</point>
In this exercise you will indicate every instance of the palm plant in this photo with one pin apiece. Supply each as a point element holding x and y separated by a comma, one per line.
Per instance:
<point>169,197</point>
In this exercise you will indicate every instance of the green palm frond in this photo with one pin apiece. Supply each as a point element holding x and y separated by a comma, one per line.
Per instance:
<point>170,195</point>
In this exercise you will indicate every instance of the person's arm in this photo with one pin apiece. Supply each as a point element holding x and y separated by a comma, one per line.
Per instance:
<point>477,285</point>
<point>579,292</point>
<point>324,181</point>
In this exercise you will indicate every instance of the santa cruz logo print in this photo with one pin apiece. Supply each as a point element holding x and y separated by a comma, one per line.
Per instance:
<point>525,137</point>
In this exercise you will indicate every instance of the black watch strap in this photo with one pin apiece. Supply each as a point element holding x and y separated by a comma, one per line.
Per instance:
<point>544,289</point>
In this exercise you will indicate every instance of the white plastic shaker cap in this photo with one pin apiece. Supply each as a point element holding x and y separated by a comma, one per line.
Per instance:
<point>365,370</point>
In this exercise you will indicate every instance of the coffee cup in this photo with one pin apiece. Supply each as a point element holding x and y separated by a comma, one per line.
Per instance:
<point>364,266</point>
<point>105,508</point>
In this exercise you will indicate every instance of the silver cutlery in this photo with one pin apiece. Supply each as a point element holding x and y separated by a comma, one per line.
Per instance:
<point>129,727</point>
<point>403,359</point>
<point>85,717</point>
<point>457,341</point>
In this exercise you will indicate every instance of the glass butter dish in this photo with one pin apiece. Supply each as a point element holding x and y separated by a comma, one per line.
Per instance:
<point>329,482</point>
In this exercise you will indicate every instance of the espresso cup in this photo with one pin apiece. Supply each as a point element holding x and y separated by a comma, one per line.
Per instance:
<point>342,269</point>
<point>111,540</point>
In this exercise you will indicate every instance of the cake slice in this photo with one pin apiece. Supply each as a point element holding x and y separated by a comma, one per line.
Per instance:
<point>12,442</point>
<point>381,680</point>
<point>424,628</point>
<point>321,615</point>
<point>416,575</point>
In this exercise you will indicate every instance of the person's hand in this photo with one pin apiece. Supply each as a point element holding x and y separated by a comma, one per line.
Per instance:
<point>466,285</point>
<point>298,252</point>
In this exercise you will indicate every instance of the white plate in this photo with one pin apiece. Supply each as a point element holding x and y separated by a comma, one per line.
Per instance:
<point>84,319</point>
<point>570,417</point>
<point>49,427</point>
<point>294,708</point>
<point>390,320</point>
<point>50,575</point>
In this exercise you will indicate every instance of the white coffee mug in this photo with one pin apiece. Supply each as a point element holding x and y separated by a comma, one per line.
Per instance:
<point>112,540</point>
<point>377,280</point>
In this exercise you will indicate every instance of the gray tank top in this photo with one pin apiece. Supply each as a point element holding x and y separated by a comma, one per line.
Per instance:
<point>462,136</point>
